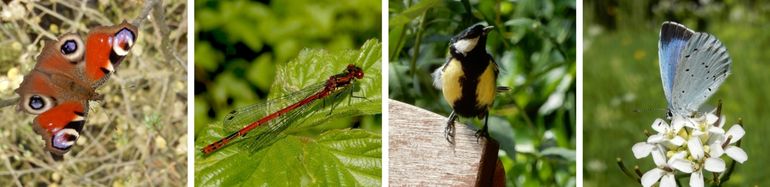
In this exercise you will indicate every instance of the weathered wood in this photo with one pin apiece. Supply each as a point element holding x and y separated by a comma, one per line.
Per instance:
<point>419,155</point>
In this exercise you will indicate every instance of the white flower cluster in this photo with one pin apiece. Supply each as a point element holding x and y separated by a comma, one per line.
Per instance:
<point>689,145</point>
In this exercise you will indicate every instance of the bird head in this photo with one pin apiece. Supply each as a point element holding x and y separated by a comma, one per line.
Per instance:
<point>470,38</point>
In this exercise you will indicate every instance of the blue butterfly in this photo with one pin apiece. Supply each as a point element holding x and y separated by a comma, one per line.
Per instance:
<point>692,67</point>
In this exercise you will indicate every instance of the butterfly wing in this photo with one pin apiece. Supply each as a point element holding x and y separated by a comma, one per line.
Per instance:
<point>62,56</point>
<point>106,49</point>
<point>60,126</point>
<point>705,64</point>
<point>53,91</point>
<point>61,110</point>
<point>673,38</point>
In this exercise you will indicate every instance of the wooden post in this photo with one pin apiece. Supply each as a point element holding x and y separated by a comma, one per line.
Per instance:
<point>419,154</point>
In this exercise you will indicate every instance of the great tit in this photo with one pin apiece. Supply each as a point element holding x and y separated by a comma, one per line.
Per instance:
<point>468,79</point>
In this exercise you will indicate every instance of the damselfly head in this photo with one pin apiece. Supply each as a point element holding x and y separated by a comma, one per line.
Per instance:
<point>355,71</point>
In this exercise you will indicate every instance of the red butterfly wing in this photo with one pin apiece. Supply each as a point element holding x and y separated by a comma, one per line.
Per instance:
<point>60,126</point>
<point>107,47</point>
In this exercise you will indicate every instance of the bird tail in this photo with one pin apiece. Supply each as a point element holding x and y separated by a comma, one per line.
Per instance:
<point>503,89</point>
<point>437,82</point>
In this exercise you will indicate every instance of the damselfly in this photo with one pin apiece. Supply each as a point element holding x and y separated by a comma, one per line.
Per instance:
<point>267,126</point>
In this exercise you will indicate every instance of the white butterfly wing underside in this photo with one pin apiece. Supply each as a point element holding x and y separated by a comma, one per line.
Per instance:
<point>703,66</point>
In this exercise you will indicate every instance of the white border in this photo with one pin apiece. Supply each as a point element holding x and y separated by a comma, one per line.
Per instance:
<point>385,97</point>
<point>190,92</point>
<point>579,91</point>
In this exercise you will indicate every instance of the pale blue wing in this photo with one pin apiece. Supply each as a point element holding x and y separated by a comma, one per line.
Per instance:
<point>673,38</point>
<point>704,65</point>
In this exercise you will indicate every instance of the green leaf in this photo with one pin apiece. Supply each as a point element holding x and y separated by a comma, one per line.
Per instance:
<point>412,12</point>
<point>559,152</point>
<point>343,157</point>
<point>300,157</point>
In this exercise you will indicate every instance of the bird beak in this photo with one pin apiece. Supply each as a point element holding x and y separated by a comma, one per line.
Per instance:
<point>488,28</point>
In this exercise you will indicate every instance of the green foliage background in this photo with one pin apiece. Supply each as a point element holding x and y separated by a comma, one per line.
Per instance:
<point>623,93</point>
<point>242,51</point>
<point>533,42</point>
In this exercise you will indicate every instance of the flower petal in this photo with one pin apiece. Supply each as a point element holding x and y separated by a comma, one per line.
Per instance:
<point>677,141</point>
<point>716,149</point>
<point>682,165</point>
<point>668,180</point>
<point>678,155</point>
<point>714,164</point>
<point>695,147</point>
<point>722,122</point>
<point>656,138</point>
<point>642,149</point>
<point>736,153</point>
<point>651,177</point>
<point>659,157</point>
<point>715,134</point>
<point>678,122</point>
<point>696,179</point>
<point>716,130</point>
<point>660,126</point>
<point>711,118</point>
<point>736,132</point>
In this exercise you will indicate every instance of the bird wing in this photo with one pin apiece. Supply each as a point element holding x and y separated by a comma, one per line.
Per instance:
<point>437,82</point>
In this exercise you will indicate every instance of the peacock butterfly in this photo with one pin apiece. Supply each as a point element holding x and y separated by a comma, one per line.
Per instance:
<point>65,78</point>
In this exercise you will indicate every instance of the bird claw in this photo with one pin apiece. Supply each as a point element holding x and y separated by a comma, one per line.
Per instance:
<point>482,133</point>
<point>449,132</point>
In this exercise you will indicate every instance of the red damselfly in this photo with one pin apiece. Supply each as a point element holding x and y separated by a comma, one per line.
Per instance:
<point>266,126</point>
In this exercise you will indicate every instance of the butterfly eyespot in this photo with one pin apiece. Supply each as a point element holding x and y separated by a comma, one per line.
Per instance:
<point>124,40</point>
<point>71,47</point>
<point>64,139</point>
<point>37,104</point>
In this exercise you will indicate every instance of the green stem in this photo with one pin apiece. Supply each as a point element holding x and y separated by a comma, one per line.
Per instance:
<point>625,170</point>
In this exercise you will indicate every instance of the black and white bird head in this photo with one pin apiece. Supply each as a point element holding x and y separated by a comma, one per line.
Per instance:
<point>470,38</point>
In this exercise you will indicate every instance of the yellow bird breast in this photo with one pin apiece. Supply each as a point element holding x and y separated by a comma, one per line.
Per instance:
<point>486,89</point>
<point>453,90</point>
<point>451,82</point>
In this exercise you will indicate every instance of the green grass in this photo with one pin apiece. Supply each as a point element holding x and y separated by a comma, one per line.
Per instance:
<point>623,96</point>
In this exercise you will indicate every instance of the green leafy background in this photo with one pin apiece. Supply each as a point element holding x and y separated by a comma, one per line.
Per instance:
<point>533,42</point>
<point>336,157</point>
<point>248,51</point>
<point>623,94</point>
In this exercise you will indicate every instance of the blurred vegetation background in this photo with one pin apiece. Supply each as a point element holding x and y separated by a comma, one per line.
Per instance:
<point>534,45</point>
<point>623,92</point>
<point>238,44</point>
<point>137,135</point>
